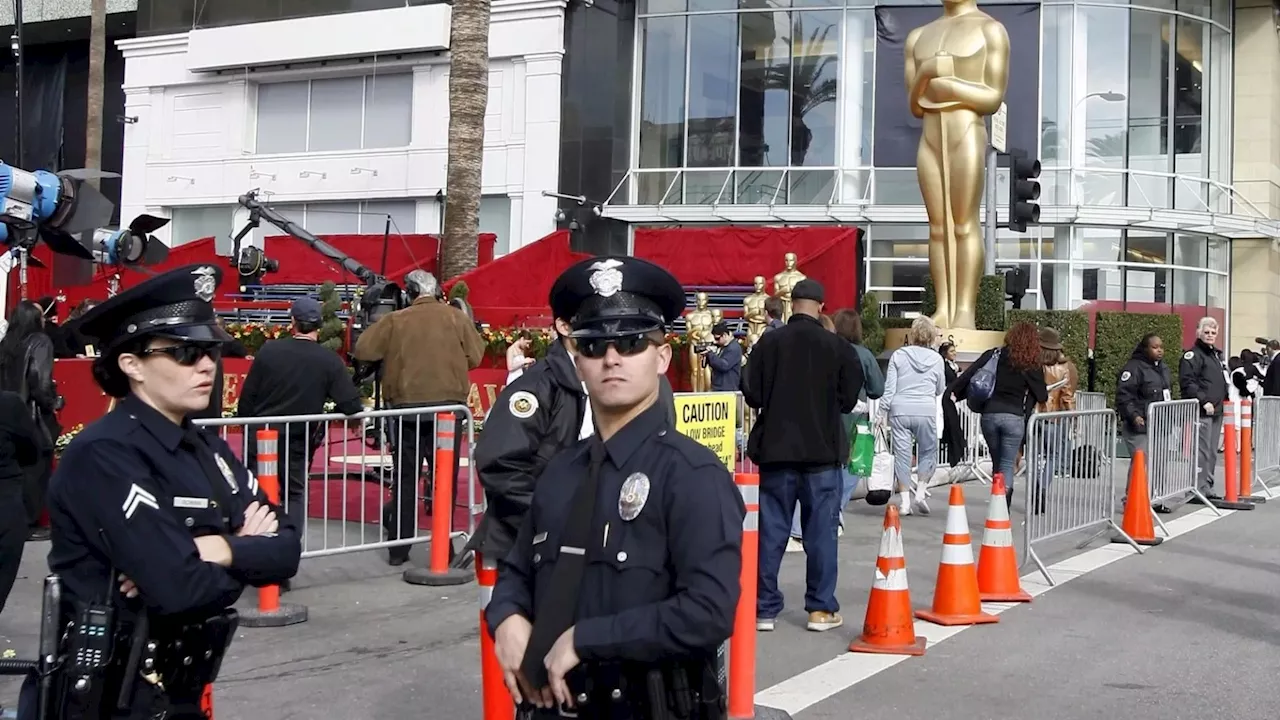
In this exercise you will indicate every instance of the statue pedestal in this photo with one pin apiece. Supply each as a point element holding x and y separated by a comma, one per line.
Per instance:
<point>969,343</point>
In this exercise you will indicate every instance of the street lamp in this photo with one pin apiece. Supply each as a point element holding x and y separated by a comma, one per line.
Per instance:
<point>1105,96</point>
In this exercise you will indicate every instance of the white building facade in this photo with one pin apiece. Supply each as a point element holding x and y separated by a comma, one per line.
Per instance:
<point>341,122</point>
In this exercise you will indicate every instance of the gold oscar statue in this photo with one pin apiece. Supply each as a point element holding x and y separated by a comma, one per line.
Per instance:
<point>957,68</point>
<point>698,332</point>
<point>753,312</point>
<point>784,281</point>
<point>717,316</point>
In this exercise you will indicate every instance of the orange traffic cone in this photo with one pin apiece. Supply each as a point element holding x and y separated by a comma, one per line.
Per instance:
<point>955,598</point>
<point>1138,522</point>
<point>888,628</point>
<point>997,563</point>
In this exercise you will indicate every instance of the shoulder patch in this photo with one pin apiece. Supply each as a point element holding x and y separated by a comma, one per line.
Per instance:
<point>523,404</point>
<point>1188,355</point>
<point>1125,375</point>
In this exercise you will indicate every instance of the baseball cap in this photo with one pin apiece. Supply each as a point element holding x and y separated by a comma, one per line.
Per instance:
<point>306,310</point>
<point>808,289</point>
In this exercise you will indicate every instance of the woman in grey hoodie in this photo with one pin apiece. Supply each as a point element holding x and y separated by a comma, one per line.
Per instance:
<point>914,382</point>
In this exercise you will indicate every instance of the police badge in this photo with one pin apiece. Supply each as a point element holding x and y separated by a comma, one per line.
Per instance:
<point>227,475</point>
<point>633,496</point>
<point>205,285</point>
<point>607,279</point>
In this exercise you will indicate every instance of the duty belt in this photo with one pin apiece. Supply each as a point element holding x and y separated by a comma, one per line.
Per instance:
<point>675,690</point>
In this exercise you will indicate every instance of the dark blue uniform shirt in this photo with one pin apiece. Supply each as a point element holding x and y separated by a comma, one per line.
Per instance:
<point>662,584</point>
<point>130,494</point>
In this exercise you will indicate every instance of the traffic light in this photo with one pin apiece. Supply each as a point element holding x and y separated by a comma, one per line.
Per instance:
<point>1024,191</point>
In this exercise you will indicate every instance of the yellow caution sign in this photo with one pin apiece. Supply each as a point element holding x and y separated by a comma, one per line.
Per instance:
<point>711,419</point>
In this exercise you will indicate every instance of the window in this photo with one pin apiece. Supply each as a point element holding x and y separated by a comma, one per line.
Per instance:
<point>357,113</point>
<point>353,218</point>
<point>495,217</point>
<point>194,223</point>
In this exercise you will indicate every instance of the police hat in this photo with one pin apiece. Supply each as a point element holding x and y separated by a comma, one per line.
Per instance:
<point>615,296</point>
<point>177,304</point>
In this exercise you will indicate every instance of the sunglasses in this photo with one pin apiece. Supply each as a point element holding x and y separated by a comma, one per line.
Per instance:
<point>187,354</point>
<point>627,345</point>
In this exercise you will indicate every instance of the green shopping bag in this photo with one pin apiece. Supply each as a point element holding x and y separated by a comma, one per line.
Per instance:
<point>862,449</point>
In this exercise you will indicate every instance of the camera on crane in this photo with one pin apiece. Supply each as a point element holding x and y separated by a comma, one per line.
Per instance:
<point>253,263</point>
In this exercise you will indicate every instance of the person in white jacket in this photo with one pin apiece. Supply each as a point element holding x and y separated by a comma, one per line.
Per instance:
<point>913,383</point>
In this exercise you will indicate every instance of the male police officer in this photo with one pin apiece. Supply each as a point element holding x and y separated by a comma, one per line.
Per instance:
<point>541,411</point>
<point>157,528</point>
<point>1202,375</point>
<point>623,581</point>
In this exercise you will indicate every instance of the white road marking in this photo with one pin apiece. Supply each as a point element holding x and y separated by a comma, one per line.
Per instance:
<point>848,669</point>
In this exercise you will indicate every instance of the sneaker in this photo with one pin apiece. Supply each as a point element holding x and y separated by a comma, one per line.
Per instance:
<point>794,545</point>
<point>764,624</point>
<point>823,621</point>
<point>919,505</point>
<point>840,531</point>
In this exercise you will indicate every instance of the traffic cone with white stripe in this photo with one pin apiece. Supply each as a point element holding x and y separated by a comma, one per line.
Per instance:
<point>997,562</point>
<point>955,599</point>
<point>888,628</point>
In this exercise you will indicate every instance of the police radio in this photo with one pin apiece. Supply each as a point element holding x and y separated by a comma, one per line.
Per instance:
<point>90,643</point>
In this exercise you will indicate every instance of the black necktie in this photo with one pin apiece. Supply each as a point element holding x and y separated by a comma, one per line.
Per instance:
<point>558,602</point>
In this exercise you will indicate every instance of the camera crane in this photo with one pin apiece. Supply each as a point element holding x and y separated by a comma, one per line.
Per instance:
<point>380,295</point>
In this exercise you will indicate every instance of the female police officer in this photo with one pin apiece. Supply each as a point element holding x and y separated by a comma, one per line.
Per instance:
<point>153,520</point>
<point>623,580</point>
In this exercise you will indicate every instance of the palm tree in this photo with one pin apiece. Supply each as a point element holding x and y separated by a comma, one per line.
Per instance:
<point>811,76</point>
<point>468,99</point>
<point>97,81</point>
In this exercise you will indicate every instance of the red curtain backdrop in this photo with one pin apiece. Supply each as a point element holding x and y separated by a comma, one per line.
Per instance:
<point>514,288</point>
<point>733,256</point>
<point>299,264</point>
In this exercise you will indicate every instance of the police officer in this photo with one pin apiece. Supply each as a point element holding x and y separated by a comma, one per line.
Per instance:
<point>154,520</point>
<point>623,580</point>
<point>541,411</point>
<point>1202,375</point>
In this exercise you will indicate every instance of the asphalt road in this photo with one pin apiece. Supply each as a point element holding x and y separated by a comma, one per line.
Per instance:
<point>1182,632</point>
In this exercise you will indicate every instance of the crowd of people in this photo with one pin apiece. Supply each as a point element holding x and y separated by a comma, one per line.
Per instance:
<point>646,520</point>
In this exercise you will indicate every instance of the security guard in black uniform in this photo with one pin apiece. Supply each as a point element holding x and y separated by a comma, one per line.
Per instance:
<point>156,527</point>
<point>623,581</point>
<point>1202,374</point>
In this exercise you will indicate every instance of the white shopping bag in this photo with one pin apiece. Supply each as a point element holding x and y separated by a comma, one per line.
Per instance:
<point>882,466</point>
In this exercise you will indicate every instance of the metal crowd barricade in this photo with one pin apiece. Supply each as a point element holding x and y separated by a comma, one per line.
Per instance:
<point>1091,401</point>
<point>1266,436</point>
<point>357,461</point>
<point>1173,442</point>
<point>1070,489</point>
<point>976,451</point>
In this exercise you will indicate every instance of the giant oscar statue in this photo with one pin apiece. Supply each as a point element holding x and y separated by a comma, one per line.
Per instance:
<point>957,67</point>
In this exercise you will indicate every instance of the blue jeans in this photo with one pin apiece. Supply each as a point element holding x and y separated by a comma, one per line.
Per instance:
<point>1003,433</point>
<point>819,494</point>
<point>846,494</point>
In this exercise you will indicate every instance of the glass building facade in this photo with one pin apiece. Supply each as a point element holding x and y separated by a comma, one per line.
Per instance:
<point>790,112</point>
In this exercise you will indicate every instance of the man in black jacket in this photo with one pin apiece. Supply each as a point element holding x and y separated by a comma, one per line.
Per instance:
<point>1202,375</point>
<point>1271,381</point>
<point>802,378</point>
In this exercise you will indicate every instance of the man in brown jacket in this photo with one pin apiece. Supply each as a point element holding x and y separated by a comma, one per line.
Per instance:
<point>426,351</point>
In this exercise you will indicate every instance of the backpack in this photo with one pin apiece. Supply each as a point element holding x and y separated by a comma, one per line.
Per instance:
<point>982,385</point>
